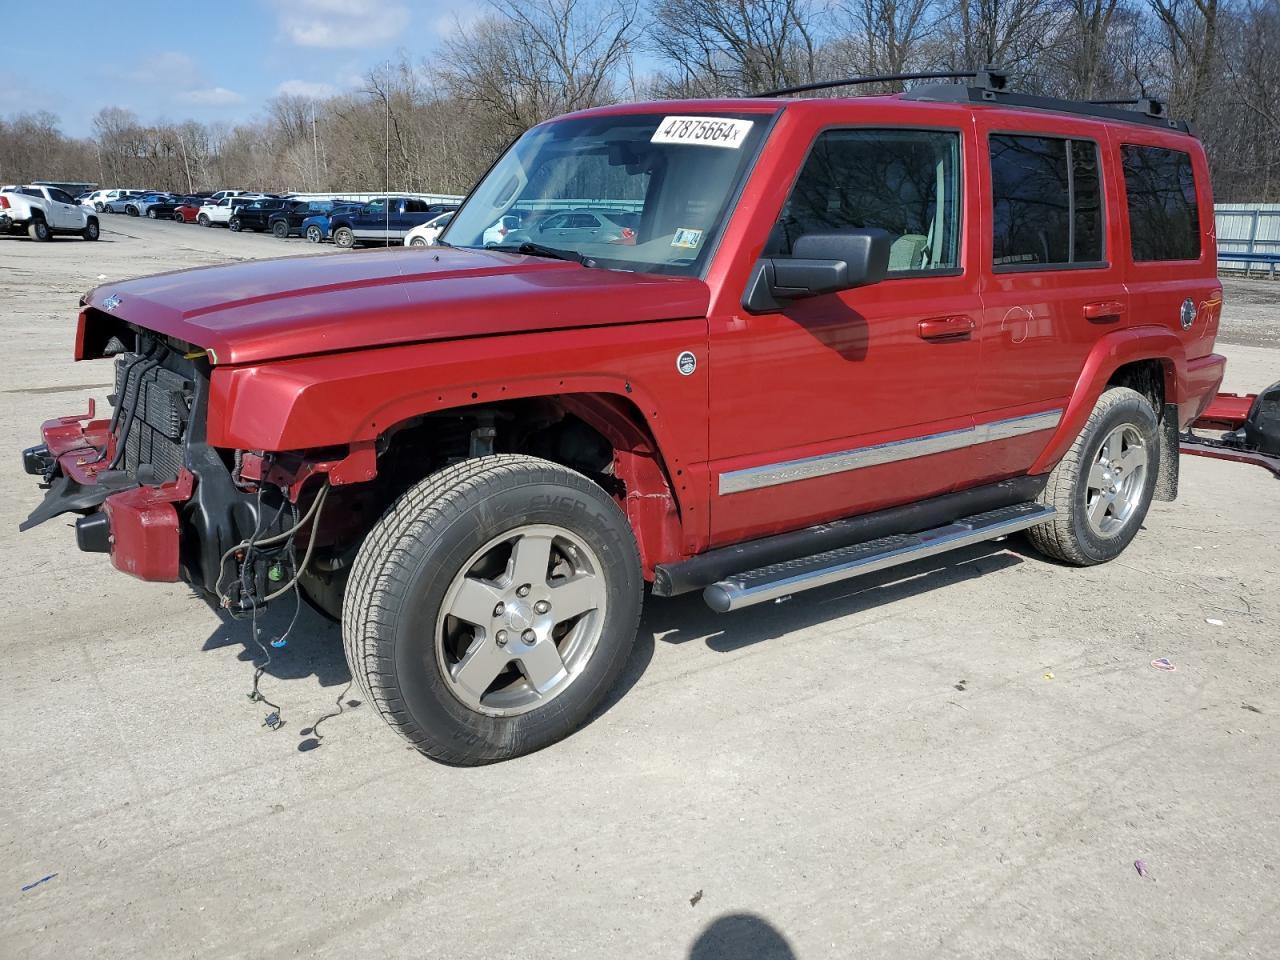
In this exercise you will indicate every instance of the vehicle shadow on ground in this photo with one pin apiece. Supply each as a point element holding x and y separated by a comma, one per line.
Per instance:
<point>686,618</point>
<point>741,936</point>
<point>312,648</point>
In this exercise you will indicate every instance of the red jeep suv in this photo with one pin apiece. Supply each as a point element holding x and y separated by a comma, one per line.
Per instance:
<point>844,333</point>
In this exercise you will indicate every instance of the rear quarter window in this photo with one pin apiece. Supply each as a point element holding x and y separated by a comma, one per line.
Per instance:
<point>1164,219</point>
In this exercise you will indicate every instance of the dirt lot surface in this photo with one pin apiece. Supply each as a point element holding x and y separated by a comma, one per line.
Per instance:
<point>962,759</point>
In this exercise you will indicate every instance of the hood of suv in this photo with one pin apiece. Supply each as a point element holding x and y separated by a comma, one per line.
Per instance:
<point>271,309</point>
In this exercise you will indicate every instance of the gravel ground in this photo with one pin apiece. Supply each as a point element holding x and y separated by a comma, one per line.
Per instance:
<point>960,758</point>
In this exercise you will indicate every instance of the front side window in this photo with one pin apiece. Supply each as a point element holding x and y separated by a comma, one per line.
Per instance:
<point>1046,202</point>
<point>677,174</point>
<point>1164,219</point>
<point>902,181</point>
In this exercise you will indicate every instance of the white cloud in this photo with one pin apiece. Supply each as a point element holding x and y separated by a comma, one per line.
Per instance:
<point>311,89</point>
<point>336,24</point>
<point>211,96</point>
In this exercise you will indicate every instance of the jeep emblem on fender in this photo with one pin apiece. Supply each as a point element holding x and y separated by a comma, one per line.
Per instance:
<point>110,303</point>
<point>1188,313</point>
<point>686,363</point>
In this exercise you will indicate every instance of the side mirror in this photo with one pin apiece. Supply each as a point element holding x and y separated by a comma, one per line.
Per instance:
<point>819,263</point>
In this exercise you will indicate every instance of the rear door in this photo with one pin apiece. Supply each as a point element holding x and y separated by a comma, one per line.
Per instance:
<point>1052,281</point>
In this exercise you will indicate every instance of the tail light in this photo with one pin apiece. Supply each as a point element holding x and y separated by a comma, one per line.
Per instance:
<point>4,202</point>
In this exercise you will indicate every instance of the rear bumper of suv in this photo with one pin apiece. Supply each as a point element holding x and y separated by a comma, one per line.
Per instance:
<point>1200,386</point>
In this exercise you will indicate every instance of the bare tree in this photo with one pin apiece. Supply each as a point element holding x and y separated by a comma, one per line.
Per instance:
<point>729,47</point>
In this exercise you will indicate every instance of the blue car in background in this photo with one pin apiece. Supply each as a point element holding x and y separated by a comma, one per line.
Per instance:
<point>316,228</point>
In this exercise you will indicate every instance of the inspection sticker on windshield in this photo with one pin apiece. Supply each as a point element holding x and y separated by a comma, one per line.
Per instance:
<point>687,237</point>
<point>704,131</point>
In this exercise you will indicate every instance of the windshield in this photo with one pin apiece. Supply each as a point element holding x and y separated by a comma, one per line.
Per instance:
<point>643,192</point>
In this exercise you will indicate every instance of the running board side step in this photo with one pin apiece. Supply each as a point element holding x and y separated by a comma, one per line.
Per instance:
<point>779,580</point>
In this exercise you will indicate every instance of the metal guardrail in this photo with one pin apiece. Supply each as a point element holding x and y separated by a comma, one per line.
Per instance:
<point>1248,236</point>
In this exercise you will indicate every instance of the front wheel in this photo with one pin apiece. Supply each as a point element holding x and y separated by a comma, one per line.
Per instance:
<point>417,242</point>
<point>152,214</point>
<point>204,221</point>
<point>492,607</point>
<point>90,231</point>
<point>1102,488</point>
<point>314,234</point>
<point>343,237</point>
<point>234,225</point>
<point>280,230</point>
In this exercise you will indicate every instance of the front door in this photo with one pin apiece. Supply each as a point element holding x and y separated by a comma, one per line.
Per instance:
<point>849,402</point>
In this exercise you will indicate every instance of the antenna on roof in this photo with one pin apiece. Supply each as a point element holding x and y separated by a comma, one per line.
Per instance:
<point>988,78</point>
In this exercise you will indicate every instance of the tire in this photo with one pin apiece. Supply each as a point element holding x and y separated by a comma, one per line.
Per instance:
<point>234,224</point>
<point>315,234</point>
<point>98,207</point>
<point>1100,509</point>
<point>405,651</point>
<point>91,230</point>
<point>203,220</point>
<point>151,213</point>
<point>39,230</point>
<point>344,238</point>
<point>131,211</point>
<point>280,230</point>
<point>417,242</point>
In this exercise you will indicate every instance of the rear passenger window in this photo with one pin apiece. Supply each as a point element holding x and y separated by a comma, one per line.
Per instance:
<point>1046,202</point>
<point>1164,221</point>
<point>902,181</point>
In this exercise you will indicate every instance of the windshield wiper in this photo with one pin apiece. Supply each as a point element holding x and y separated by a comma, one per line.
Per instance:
<point>538,250</point>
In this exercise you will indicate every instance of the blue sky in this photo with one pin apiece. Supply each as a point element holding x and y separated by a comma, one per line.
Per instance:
<point>174,59</point>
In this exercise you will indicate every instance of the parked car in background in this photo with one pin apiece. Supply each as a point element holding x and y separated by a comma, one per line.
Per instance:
<point>100,198</point>
<point>188,211</point>
<point>221,211</point>
<point>45,211</point>
<point>384,220</point>
<point>497,233</point>
<point>142,204</point>
<point>572,227</point>
<point>317,228</point>
<point>118,203</point>
<point>288,221</point>
<point>256,214</point>
<point>223,194</point>
<point>427,234</point>
<point>166,209</point>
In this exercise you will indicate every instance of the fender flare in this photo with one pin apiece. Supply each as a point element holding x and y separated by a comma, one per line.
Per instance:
<point>1107,356</point>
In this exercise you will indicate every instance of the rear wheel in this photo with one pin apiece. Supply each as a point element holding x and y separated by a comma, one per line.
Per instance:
<point>343,237</point>
<point>234,225</point>
<point>90,231</point>
<point>1102,488</point>
<point>280,230</point>
<point>314,234</point>
<point>39,230</point>
<point>151,213</point>
<point>492,607</point>
<point>131,210</point>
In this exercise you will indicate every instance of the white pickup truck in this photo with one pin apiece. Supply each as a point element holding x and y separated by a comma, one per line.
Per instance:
<point>45,211</point>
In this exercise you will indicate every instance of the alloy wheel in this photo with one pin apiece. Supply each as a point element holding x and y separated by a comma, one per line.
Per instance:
<point>521,620</point>
<point>1117,480</point>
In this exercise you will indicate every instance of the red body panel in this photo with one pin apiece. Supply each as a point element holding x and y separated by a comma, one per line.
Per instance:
<point>270,309</point>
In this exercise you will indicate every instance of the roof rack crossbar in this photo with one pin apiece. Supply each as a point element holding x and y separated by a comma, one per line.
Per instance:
<point>989,78</point>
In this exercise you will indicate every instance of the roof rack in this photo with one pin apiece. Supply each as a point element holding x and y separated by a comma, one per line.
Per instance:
<point>988,78</point>
<point>1150,112</point>
<point>991,85</point>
